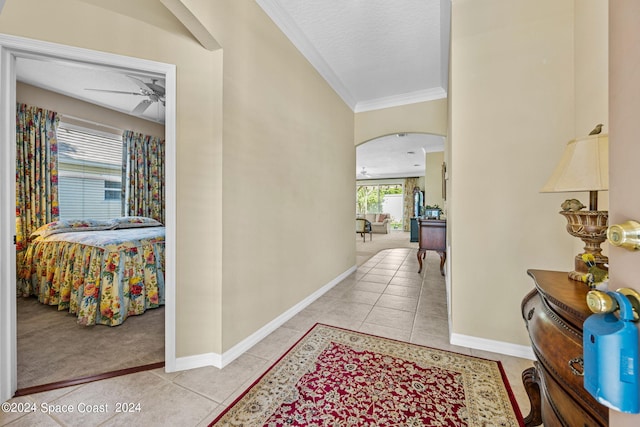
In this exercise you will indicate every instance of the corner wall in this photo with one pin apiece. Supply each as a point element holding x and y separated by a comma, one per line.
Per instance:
<point>516,69</point>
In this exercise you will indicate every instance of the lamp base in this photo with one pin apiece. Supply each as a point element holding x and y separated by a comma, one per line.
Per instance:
<point>591,228</point>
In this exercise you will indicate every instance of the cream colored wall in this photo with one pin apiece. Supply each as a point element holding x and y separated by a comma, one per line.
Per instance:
<point>288,172</point>
<point>592,77</point>
<point>422,117</point>
<point>515,75</point>
<point>512,112</point>
<point>259,226</point>
<point>433,179</point>
<point>624,99</point>
<point>71,109</point>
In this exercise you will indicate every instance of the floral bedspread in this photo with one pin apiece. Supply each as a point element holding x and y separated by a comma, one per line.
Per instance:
<point>100,276</point>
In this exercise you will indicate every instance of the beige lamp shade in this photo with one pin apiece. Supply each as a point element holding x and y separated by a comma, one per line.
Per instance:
<point>584,166</point>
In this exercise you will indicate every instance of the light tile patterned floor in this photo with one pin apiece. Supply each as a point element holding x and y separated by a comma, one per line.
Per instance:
<point>385,296</point>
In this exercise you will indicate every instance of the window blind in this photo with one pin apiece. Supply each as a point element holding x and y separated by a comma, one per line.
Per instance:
<point>89,173</point>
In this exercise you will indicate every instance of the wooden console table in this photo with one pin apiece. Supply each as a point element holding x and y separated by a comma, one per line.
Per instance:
<point>554,313</point>
<point>432,237</point>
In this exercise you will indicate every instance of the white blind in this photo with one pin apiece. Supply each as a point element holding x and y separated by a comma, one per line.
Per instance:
<point>89,173</point>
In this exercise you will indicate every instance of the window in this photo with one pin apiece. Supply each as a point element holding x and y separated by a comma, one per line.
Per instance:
<point>373,198</point>
<point>89,173</point>
<point>112,190</point>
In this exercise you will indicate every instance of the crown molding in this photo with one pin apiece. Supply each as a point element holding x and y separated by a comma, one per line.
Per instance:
<point>286,24</point>
<point>402,99</point>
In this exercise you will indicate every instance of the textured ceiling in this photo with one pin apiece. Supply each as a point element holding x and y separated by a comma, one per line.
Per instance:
<point>374,53</point>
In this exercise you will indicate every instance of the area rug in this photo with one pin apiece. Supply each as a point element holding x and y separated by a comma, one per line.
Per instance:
<point>337,377</point>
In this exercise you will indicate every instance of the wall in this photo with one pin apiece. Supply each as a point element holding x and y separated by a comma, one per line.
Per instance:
<point>433,179</point>
<point>250,116</point>
<point>515,74</point>
<point>288,171</point>
<point>71,108</point>
<point>624,101</point>
<point>422,117</point>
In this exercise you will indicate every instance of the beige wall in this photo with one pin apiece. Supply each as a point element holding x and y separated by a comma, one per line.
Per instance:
<point>624,99</point>
<point>423,117</point>
<point>288,172</point>
<point>515,75</point>
<point>258,226</point>
<point>71,109</point>
<point>433,179</point>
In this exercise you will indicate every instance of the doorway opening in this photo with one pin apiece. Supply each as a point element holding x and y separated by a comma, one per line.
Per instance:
<point>11,49</point>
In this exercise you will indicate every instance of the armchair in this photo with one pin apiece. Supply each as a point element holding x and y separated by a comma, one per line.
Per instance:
<point>363,226</point>
<point>380,223</point>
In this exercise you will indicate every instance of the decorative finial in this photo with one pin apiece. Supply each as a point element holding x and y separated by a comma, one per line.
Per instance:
<point>596,130</point>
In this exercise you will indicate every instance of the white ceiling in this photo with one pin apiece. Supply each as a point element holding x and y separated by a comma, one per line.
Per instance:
<point>396,156</point>
<point>75,80</point>
<point>374,54</point>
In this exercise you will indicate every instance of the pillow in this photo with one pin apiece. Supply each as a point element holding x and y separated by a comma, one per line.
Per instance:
<point>135,221</point>
<point>382,217</point>
<point>72,225</point>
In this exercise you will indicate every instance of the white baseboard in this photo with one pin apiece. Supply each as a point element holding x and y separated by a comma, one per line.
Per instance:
<point>221,360</point>
<point>198,361</point>
<point>493,346</point>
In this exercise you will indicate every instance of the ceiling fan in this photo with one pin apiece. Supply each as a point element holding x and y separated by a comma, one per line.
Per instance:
<point>152,90</point>
<point>364,172</point>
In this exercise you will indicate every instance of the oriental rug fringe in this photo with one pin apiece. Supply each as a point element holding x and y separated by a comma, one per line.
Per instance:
<point>337,377</point>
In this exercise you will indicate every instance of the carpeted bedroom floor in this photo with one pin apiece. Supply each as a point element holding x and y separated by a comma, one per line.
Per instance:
<point>53,347</point>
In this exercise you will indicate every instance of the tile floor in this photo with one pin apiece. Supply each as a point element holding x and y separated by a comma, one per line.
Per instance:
<point>385,296</point>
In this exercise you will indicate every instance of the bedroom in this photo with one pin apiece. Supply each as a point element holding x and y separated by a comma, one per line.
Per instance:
<point>80,125</point>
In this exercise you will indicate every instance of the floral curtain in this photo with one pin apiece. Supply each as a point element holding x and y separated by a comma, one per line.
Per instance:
<point>409,185</point>
<point>36,172</point>
<point>143,189</point>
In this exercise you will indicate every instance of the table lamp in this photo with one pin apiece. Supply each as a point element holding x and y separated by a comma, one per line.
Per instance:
<point>584,166</point>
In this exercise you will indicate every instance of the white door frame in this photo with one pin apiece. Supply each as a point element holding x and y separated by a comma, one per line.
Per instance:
<point>12,47</point>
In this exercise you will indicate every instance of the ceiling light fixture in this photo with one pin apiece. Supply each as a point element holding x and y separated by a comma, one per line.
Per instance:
<point>401,135</point>
<point>411,152</point>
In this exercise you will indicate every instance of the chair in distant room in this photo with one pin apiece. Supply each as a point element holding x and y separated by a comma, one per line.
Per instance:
<point>363,227</point>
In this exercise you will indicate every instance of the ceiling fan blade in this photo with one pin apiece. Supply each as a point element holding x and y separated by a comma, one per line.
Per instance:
<point>142,106</point>
<point>143,86</point>
<point>114,91</point>
<point>152,87</point>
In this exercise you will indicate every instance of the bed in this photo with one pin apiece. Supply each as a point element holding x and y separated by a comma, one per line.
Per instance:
<point>103,271</point>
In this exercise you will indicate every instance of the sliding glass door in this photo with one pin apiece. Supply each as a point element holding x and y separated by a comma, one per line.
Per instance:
<point>381,198</point>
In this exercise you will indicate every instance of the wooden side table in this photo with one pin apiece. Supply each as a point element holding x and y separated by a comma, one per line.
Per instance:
<point>432,237</point>
<point>554,313</point>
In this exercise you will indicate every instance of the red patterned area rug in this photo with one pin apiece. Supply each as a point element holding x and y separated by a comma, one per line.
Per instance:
<point>336,377</point>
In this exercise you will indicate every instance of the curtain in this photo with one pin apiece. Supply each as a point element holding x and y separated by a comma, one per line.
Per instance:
<point>409,185</point>
<point>36,172</point>
<point>143,188</point>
